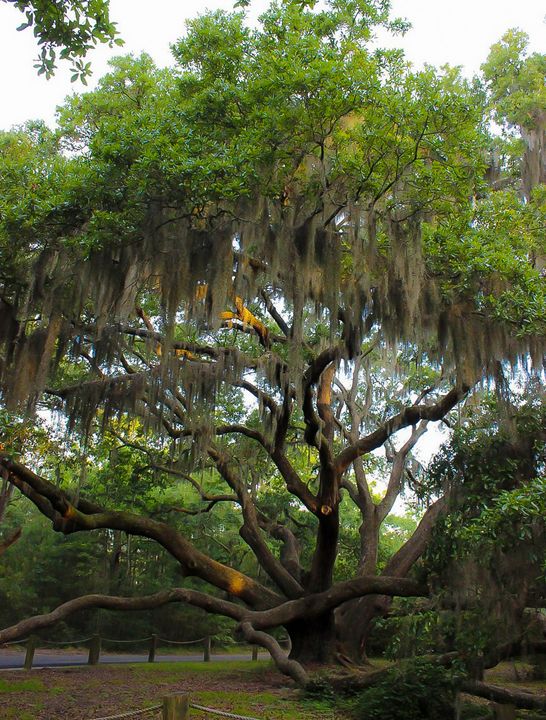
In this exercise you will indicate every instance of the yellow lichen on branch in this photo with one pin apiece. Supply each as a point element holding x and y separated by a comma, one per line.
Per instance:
<point>236,583</point>
<point>70,512</point>
<point>247,318</point>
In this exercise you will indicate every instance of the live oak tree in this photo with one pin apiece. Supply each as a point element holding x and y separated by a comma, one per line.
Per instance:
<point>225,254</point>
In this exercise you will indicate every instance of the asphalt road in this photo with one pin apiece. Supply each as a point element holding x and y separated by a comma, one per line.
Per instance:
<point>43,658</point>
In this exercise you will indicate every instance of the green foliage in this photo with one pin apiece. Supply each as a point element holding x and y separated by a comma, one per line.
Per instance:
<point>487,551</point>
<point>516,80</point>
<point>295,161</point>
<point>414,691</point>
<point>71,26</point>
<point>21,686</point>
<point>488,250</point>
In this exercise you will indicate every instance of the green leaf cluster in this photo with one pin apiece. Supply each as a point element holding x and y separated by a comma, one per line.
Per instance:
<point>67,27</point>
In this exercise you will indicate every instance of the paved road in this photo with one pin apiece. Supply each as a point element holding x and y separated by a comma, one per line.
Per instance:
<point>12,660</point>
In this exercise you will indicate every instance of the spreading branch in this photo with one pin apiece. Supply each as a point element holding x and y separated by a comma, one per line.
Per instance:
<point>407,417</point>
<point>82,515</point>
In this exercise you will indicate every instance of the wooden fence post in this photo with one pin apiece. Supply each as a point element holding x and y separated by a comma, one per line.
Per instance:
<point>206,649</point>
<point>176,707</point>
<point>254,652</point>
<point>153,646</point>
<point>31,647</point>
<point>94,650</point>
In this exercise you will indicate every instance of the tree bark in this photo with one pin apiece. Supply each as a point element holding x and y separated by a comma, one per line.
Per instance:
<point>355,619</point>
<point>9,540</point>
<point>313,641</point>
<point>520,699</point>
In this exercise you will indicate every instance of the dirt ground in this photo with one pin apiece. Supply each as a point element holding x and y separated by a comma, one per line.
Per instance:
<point>83,693</point>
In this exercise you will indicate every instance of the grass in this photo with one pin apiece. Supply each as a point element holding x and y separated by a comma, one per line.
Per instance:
<point>215,667</point>
<point>15,714</point>
<point>29,686</point>
<point>265,705</point>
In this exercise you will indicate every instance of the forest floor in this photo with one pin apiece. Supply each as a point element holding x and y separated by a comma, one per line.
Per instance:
<point>254,689</point>
<point>248,688</point>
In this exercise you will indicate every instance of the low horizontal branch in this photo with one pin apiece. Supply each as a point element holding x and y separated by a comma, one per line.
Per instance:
<point>317,604</point>
<point>285,612</point>
<point>505,696</point>
<point>107,602</point>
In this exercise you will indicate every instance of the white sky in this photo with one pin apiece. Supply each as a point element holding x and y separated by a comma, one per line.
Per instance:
<point>458,33</point>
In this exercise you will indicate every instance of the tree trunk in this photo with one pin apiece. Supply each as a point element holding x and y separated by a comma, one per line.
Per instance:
<point>313,641</point>
<point>355,619</point>
<point>354,624</point>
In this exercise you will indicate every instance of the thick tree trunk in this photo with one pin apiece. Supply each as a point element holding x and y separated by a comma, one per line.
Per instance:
<point>355,623</point>
<point>313,641</point>
<point>322,567</point>
<point>355,619</point>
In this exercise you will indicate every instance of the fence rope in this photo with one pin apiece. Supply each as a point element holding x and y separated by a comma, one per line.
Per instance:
<point>223,713</point>
<point>15,642</point>
<point>154,708</point>
<point>181,642</point>
<point>111,640</point>
<point>65,642</point>
<point>131,713</point>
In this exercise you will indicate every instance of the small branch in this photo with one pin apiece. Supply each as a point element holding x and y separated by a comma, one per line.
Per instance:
<point>260,395</point>
<point>277,317</point>
<point>10,540</point>
<point>244,430</point>
<point>397,471</point>
<point>290,548</point>
<point>294,484</point>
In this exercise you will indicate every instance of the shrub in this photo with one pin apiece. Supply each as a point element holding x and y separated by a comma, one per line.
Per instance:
<point>417,690</point>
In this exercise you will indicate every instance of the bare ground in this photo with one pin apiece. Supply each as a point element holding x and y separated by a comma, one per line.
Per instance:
<point>84,693</point>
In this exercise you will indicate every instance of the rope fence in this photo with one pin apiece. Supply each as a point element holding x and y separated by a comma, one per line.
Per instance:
<point>132,713</point>
<point>182,642</point>
<point>176,707</point>
<point>95,645</point>
<point>134,642</point>
<point>221,713</point>
<point>63,642</point>
<point>15,642</point>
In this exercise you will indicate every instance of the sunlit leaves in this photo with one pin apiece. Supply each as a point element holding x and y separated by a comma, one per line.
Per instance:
<point>516,81</point>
